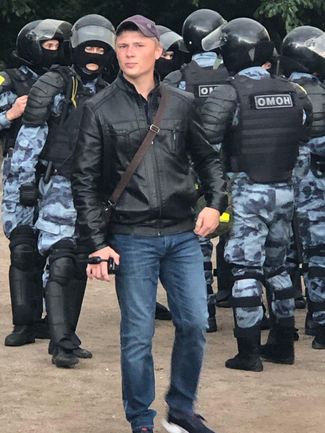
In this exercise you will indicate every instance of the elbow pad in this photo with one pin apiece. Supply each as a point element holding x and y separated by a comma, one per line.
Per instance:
<point>41,98</point>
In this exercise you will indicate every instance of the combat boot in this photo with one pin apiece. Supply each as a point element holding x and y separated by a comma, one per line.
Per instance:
<point>64,358</point>
<point>279,347</point>
<point>162,312</point>
<point>21,334</point>
<point>23,256</point>
<point>319,340</point>
<point>248,357</point>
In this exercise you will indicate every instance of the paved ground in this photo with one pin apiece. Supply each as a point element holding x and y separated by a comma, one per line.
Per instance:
<point>37,397</point>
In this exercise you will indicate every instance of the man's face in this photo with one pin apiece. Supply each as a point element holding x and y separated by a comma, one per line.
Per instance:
<point>51,45</point>
<point>136,53</point>
<point>94,50</point>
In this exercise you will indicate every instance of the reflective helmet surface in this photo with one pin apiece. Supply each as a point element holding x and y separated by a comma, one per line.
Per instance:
<point>303,50</point>
<point>243,42</point>
<point>30,38</point>
<point>198,25</point>
<point>170,41</point>
<point>169,38</point>
<point>96,31</point>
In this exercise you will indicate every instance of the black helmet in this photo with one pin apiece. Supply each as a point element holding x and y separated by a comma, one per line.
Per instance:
<point>302,50</point>
<point>96,31</point>
<point>243,42</point>
<point>169,38</point>
<point>170,41</point>
<point>198,25</point>
<point>29,41</point>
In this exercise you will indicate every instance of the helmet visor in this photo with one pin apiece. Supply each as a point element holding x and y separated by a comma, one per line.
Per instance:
<point>46,30</point>
<point>317,45</point>
<point>215,39</point>
<point>170,38</point>
<point>93,33</point>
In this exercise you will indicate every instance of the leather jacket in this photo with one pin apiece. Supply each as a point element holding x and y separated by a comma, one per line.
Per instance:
<point>160,196</point>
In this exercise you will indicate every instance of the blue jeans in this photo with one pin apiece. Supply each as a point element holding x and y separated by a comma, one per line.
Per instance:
<point>177,261</point>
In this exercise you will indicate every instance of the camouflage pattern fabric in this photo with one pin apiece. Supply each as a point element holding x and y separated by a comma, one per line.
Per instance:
<point>309,187</point>
<point>256,246</point>
<point>18,170</point>
<point>57,215</point>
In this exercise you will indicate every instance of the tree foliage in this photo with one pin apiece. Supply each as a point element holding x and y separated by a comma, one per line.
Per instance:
<point>293,13</point>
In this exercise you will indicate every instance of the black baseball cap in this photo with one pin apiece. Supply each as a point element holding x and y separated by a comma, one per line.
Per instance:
<point>146,27</point>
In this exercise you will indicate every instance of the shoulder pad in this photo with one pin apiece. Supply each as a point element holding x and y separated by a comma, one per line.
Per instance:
<point>299,88</point>
<point>66,72</point>
<point>173,78</point>
<point>41,98</point>
<point>101,84</point>
<point>5,82</point>
<point>226,91</point>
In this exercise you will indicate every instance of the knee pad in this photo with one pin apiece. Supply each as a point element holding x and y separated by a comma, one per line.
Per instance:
<point>23,248</point>
<point>283,294</point>
<point>246,302</point>
<point>62,262</point>
<point>251,273</point>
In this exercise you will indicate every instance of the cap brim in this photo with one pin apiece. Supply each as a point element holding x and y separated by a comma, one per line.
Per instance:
<point>141,28</point>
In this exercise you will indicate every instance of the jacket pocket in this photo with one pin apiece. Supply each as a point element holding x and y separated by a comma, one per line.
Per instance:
<point>177,140</point>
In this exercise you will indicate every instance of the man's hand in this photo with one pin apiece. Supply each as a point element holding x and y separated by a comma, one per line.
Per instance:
<point>17,109</point>
<point>207,221</point>
<point>100,271</point>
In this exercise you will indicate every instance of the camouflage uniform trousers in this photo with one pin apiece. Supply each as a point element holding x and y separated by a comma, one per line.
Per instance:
<point>20,169</point>
<point>256,247</point>
<point>310,208</point>
<point>57,216</point>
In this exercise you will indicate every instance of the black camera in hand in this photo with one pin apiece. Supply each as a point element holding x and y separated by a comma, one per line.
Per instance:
<point>112,267</point>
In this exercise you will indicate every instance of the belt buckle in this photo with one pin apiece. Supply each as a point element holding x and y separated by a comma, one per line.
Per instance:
<point>154,128</point>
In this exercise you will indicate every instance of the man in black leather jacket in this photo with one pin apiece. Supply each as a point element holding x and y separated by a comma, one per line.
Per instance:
<point>151,231</point>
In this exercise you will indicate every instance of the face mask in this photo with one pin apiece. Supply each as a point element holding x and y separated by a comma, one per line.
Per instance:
<point>49,58</point>
<point>164,67</point>
<point>80,59</point>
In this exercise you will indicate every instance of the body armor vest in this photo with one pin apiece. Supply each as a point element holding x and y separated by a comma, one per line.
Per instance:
<point>316,93</point>
<point>202,81</point>
<point>21,85</point>
<point>264,144</point>
<point>63,130</point>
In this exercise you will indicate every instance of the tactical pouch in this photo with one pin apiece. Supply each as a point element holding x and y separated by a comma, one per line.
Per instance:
<point>28,194</point>
<point>317,165</point>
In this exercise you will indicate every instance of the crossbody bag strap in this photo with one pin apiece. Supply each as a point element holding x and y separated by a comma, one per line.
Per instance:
<point>139,155</point>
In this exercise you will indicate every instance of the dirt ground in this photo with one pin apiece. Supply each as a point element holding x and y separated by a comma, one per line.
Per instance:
<point>38,397</point>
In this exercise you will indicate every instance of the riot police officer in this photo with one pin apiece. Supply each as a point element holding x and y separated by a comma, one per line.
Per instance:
<point>200,77</point>
<point>303,61</point>
<point>259,120</point>
<point>39,44</point>
<point>174,53</point>
<point>50,123</point>
<point>205,70</point>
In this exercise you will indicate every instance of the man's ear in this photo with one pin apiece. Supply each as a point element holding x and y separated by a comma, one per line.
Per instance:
<point>159,51</point>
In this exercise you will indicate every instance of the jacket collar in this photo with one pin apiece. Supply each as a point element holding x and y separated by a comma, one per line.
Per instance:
<point>126,86</point>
